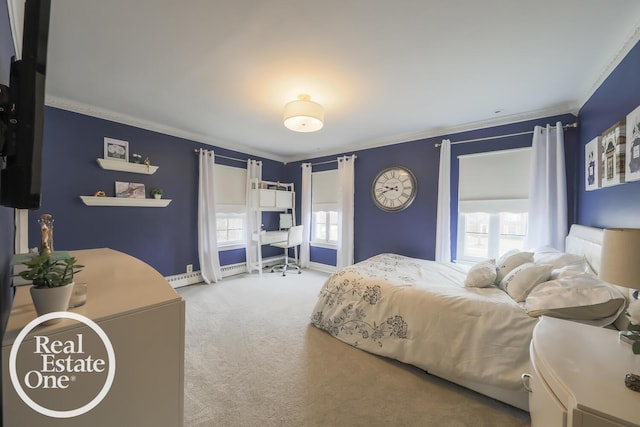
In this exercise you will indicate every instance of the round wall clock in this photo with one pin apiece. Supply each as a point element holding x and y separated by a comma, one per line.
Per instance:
<point>394,189</point>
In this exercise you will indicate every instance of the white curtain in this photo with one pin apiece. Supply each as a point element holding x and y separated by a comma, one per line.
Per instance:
<point>547,189</point>
<point>443,217</point>
<point>346,190</point>
<point>305,214</point>
<point>254,220</point>
<point>207,239</point>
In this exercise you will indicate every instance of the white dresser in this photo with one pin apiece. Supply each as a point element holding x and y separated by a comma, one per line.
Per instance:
<point>578,377</point>
<point>142,316</point>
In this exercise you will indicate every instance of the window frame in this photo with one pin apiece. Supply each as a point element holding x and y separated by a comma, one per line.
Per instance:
<point>493,236</point>
<point>233,244</point>
<point>327,208</point>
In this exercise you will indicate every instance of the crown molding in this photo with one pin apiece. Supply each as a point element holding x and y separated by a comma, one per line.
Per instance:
<point>567,108</point>
<point>620,55</point>
<point>101,113</point>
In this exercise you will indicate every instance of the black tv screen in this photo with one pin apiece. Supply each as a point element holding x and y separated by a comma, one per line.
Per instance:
<point>21,150</point>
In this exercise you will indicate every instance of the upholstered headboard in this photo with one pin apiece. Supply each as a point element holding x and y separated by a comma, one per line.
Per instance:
<point>587,241</point>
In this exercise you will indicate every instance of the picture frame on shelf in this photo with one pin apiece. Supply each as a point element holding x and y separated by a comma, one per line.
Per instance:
<point>115,149</point>
<point>593,164</point>
<point>632,158</point>
<point>131,190</point>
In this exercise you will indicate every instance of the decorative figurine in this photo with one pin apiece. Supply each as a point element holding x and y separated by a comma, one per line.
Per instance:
<point>137,158</point>
<point>148,163</point>
<point>46,227</point>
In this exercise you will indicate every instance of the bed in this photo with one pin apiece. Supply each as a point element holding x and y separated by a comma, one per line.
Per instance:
<point>435,316</point>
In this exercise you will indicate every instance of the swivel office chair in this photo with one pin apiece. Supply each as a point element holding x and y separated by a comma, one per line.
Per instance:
<point>294,238</point>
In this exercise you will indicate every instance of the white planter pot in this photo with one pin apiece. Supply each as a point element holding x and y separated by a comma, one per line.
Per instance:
<point>48,300</point>
<point>157,196</point>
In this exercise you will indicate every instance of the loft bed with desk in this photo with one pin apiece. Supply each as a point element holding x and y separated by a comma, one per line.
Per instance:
<point>270,196</point>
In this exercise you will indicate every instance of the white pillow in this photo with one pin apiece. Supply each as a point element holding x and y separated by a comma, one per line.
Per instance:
<point>572,270</point>
<point>582,297</point>
<point>549,255</point>
<point>522,279</point>
<point>482,274</point>
<point>510,260</point>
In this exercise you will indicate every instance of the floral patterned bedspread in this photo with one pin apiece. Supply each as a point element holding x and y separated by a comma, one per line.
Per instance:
<point>419,312</point>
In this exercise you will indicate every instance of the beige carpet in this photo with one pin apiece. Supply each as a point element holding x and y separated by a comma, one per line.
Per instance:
<point>252,359</point>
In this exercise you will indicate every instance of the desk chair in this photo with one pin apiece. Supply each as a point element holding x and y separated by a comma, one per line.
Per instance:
<point>294,238</point>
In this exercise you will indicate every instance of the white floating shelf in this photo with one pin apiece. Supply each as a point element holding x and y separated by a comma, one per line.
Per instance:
<point>116,165</point>
<point>124,201</point>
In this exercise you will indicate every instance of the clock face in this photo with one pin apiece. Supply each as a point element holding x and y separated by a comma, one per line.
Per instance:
<point>394,189</point>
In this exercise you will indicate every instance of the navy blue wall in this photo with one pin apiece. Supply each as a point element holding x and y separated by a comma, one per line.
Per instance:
<point>412,232</point>
<point>165,238</point>
<point>618,95</point>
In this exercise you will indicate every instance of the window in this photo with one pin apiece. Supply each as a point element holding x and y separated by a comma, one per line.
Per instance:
<point>492,203</point>
<point>230,192</point>
<point>324,208</point>
<point>325,227</point>
<point>230,228</point>
<point>487,235</point>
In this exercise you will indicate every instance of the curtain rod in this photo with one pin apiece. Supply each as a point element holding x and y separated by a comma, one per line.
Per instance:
<point>326,162</point>
<point>529,132</point>
<point>197,151</point>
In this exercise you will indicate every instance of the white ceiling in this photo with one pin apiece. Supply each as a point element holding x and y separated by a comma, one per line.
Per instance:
<point>386,71</point>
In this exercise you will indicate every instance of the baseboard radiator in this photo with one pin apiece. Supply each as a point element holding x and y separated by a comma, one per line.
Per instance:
<point>185,279</point>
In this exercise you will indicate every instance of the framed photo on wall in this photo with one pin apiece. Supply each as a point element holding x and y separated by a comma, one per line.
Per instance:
<point>632,162</point>
<point>613,153</point>
<point>592,164</point>
<point>115,149</point>
<point>132,190</point>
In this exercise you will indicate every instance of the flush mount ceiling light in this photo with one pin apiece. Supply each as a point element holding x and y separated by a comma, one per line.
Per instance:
<point>303,115</point>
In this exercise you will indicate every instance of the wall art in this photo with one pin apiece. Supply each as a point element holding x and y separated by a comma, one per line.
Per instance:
<point>114,149</point>
<point>632,158</point>
<point>130,189</point>
<point>613,152</point>
<point>593,164</point>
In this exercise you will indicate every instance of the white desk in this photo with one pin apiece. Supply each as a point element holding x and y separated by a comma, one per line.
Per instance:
<point>266,238</point>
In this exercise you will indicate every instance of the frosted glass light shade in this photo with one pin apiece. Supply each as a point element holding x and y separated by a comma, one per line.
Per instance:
<point>620,251</point>
<point>303,115</point>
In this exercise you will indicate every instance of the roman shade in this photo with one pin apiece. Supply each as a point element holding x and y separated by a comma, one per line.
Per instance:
<point>230,188</point>
<point>495,181</point>
<point>324,190</point>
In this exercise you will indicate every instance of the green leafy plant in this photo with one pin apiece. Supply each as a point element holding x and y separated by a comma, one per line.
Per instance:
<point>635,336</point>
<point>46,271</point>
<point>633,313</point>
<point>155,191</point>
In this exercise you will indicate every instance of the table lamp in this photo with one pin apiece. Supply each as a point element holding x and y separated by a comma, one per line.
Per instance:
<point>620,261</point>
<point>620,265</point>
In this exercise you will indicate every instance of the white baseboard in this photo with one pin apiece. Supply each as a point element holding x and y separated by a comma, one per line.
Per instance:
<point>325,268</point>
<point>185,279</point>
<point>179,280</point>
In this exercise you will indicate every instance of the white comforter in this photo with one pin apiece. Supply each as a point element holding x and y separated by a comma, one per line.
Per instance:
<point>419,312</point>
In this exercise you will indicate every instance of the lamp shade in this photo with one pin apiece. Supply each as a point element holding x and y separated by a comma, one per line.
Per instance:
<point>303,115</point>
<point>620,263</point>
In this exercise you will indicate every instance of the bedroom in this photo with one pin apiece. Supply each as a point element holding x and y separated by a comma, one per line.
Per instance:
<point>71,171</point>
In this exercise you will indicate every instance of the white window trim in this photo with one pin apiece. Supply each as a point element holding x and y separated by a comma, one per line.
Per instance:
<point>234,244</point>
<point>323,243</point>
<point>493,239</point>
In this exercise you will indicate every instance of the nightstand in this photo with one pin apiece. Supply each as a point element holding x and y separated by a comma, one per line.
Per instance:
<point>578,377</point>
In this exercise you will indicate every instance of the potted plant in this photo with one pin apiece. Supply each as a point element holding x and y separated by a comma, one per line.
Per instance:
<point>52,279</point>
<point>156,193</point>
